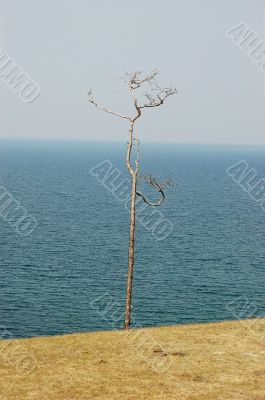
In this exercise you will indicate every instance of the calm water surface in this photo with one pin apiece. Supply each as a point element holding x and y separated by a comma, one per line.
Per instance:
<point>78,252</point>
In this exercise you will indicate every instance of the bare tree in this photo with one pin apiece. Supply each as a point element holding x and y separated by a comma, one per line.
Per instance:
<point>153,97</point>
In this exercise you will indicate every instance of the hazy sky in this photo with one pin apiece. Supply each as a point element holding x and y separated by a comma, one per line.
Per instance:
<point>70,46</point>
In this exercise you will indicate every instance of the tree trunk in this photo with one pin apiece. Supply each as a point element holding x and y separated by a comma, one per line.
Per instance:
<point>127,319</point>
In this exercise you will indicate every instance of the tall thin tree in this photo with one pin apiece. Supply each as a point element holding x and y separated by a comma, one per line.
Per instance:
<point>153,97</point>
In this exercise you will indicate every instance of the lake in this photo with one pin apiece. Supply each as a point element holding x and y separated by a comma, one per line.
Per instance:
<point>51,279</point>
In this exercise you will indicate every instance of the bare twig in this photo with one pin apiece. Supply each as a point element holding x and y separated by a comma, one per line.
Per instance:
<point>158,99</point>
<point>135,81</point>
<point>159,186</point>
<point>93,101</point>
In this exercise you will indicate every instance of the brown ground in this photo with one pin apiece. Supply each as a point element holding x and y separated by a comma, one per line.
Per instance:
<point>205,361</point>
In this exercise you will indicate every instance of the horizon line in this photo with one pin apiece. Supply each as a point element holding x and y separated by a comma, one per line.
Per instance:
<point>102,141</point>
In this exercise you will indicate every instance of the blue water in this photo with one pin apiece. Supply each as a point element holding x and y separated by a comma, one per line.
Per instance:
<point>78,252</point>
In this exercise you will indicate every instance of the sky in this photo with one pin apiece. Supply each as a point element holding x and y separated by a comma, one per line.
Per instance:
<point>69,46</point>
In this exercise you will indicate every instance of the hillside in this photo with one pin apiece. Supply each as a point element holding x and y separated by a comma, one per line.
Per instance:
<point>204,361</point>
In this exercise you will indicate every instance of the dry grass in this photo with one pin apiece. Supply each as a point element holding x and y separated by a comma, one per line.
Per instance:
<point>205,361</point>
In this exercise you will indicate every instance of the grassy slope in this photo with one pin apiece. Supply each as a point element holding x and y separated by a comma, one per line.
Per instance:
<point>205,361</point>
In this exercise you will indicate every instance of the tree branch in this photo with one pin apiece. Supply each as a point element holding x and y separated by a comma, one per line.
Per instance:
<point>149,202</point>
<point>159,99</point>
<point>135,81</point>
<point>107,110</point>
<point>156,97</point>
<point>159,186</point>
